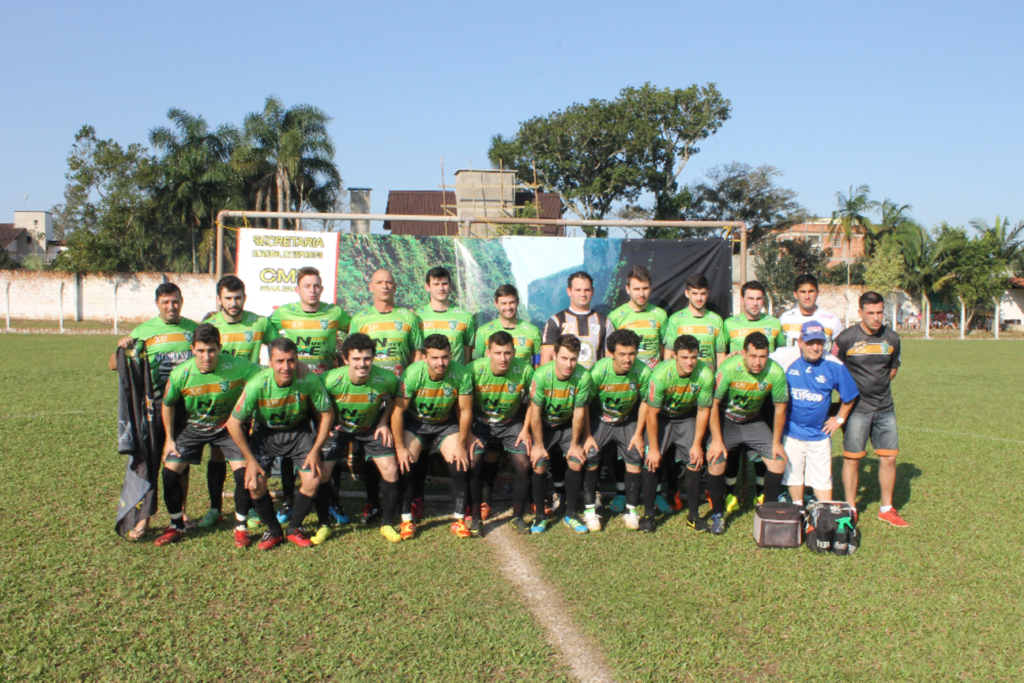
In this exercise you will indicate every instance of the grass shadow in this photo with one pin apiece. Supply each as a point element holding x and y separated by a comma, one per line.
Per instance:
<point>868,490</point>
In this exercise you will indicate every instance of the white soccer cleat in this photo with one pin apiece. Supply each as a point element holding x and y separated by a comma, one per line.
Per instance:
<point>631,520</point>
<point>592,520</point>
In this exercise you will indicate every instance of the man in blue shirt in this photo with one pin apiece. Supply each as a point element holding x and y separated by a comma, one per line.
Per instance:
<point>812,376</point>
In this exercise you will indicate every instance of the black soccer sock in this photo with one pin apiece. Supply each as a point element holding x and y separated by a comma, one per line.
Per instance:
<point>490,475</point>
<point>299,511</point>
<point>632,482</point>
<point>693,481</point>
<point>573,483</point>
<point>287,479</point>
<point>216,473</point>
<point>559,473</point>
<point>264,507</point>
<point>539,484</point>
<point>716,487</point>
<point>459,489</point>
<point>243,501</point>
<point>322,504</point>
<point>333,498</point>
<point>419,482</point>
<point>620,476</point>
<point>372,483</point>
<point>335,479</point>
<point>671,472</point>
<point>590,478</point>
<point>406,486</point>
<point>650,487</point>
<point>759,472</point>
<point>732,470</point>
<point>389,502</point>
<point>521,484</point>
<point>772,486</point>
<point>174,496</point>
<point>476,485</point>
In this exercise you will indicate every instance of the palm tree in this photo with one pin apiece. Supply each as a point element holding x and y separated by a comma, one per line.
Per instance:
<point>851,212</point>
<point>923,257</point>
<point>895,218</point>
<point>1009,239</point>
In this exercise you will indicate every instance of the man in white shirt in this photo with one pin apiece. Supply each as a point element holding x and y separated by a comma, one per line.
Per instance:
<point>806,292</point>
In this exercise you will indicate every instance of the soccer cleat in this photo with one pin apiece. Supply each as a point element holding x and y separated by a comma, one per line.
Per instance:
<point>242,539</point>
<point>299,538</point>
<point>592,519</point>
<point>417,509</point>
<point>698,525</point>
<point>575,524</point>
<point>284,513</point>
<point>370,513</point>
<point>339,516</point>
<point>618,505</point>
<point>631,520</point>
<point>893,517</point>
<point>321,535</point>
<point>389,533</point>
<point>485,511</point>
<point>759,499</point>
<point>210,518</point>
<point>647,524</point>
<point>270,540</point>
<point>732,503</point>
<point>717,524</point>
<point>662,506</point>
<point>675,502</point>
<point>520,526</point>
<point>476,528</point>
<point>459,529</point>
<point>408,530</point>
<point>170,535</point>
<point>252,520</point>
<point>539,525</point>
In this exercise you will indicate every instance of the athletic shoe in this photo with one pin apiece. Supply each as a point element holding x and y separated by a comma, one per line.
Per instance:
<point>520,526</point>
<point>459,529</point>
<point>485,511</point>
<point>407,529</point>
<point>575,524</point>
<point>759,499</point>
<point>675,502</point>
<point>717,524</point>
<point>210,518</point>
<point>662,505</point>
<point>339,516</point>
<point>893,517</point>
<point>299,538</point>
<point>698,525</point>
<point>321,535</point>
<point>252,520</point>
<point>270,540</point>
<point>732,503</point>
<point>389,533</point>
<point>370,513</point>
<point>631,520</point>
<point>242,539</point>
<point>170,535</point>
<point>618,505</point>
<point>592,519</point>
<point>476,528</point>
<point>540,524</point>
<point>647,524</point>
<point>417,509</point>
<point>284,513</point>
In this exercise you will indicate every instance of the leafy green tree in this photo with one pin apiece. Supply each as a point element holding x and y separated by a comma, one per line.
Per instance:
<point>1010,240</point>
<point>6,262</point>
<point>974,273</point>
<point>922,275</point>
<point>884,273</point>
<point>775,270</point>
<point>894,226</point>
<point>850,213</point>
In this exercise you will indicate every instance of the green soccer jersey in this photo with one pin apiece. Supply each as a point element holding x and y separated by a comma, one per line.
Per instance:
<point>648,324</point>
<point>455,323</point>
<point>743,393</point>
<point>618,396</point>
<point>738,327</point>
<point>498,399</point>
<point>281,408</point>
<point>209,397</point>
<point>167,345</point>
<point>708,329</point>
<point>433,402</point>
<point>246,337</point>
<point>676,396</point>
<point>316,334</point>
<point>359,405</point>
<point>525,336</point>
<point>397,335</point>
<point>556,398</point>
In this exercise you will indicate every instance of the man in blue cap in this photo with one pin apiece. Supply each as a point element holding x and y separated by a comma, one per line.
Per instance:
<point>812,375</point>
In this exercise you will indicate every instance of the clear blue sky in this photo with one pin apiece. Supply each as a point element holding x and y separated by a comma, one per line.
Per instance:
<point>919,100</point>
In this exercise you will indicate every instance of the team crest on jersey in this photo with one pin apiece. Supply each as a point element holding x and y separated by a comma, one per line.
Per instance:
<point>398,325</point>
<point>652,323</point>
<point>767,331</point>
<point>453,324</point>
<point>632,386</point>
<point>572,392</point>
<point>225,385</point>
<point>511,388</point>
<point>595,329</point>
<point>371,396</point>
<point>447,392</point>
<point>520,341</point>
<point>248,335</point>
<point>324,324</point>
<point>711,330</point>
<point>761,386</point>
<point>188,337</point>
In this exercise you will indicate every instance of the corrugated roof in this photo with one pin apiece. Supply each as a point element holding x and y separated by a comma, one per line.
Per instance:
<point>433,203</point>
<point>9,233</point>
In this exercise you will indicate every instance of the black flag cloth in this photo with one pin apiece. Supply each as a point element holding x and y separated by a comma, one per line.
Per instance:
<point>134,438</point>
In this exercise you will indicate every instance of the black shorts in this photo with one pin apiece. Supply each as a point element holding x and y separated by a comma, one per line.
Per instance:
<point>363,443</point>
<point>499,437</point>
<point>190,444</point>
<point>755,435</point>
<point>430,435</point>
<point>295,444</point>
<point>620,435</point>
<point>558,440</point>
<point>677,434</point>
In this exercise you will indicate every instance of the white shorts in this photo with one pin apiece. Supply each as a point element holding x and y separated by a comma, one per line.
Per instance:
<point>808,462</point>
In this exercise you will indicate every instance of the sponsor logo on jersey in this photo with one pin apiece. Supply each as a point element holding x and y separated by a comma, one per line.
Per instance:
<point>820,379</point>
<point>795,372</point>
<point>807,395</point>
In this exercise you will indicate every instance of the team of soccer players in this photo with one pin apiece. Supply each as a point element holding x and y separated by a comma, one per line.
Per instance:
<point>667,397</point>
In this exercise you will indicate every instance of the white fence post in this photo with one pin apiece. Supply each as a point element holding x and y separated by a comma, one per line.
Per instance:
<point>995,319</point>
<point>62,306</point>
<point>7,291</point>
<point>115,304</point>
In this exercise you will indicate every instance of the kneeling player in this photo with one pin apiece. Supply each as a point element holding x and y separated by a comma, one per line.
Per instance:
<point>434,406</point>
<point>678,409</point>
<point>209,385</point>
<point>284,407</point>
<point>363,395</point>
<point>559,395</point>
<point>742,384</point>
<point>500,383</point>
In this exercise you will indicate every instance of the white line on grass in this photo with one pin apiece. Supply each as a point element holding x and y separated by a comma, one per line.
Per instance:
<point>964,434</point>
<point>586,661</point>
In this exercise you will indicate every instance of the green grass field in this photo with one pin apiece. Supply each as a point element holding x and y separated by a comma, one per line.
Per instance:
<point>938,601</point>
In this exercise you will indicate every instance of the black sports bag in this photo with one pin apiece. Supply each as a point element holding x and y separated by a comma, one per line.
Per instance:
<point>831,528</point>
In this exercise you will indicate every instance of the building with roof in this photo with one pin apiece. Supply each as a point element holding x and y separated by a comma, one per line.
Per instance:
<point>817,232</point>
<point>31,234</point>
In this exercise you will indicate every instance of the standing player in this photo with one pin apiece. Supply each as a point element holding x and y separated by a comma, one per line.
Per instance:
<point>679,404</point>
<point>434,407</point>
<point>284,408</point>
<point>525,335</point>
<point>697,321</point>
<point>363,396</point>
<point>619,410</point>
<point>640,316</point>
<point>805,289</point>
<point>871,352</point>
<point>741,386</point>
<point>559,395</point>
<point>208,384</point>
<point>500,385</point>
<point>397,334</point>
<point>166,341</point>
<point>438,316</point>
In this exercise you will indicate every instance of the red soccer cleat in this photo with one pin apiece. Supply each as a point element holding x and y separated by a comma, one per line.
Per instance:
<point>460,529</point>
<point>299,538</point>
<point>170,535</point>
<point>269,541</point>
<point>242,539</point>
<point>407,530</point>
